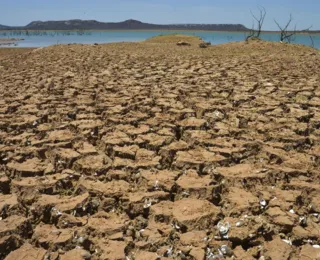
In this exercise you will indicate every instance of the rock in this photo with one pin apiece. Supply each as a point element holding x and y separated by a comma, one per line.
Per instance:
<point>203,45</point>
<point>181,43</point>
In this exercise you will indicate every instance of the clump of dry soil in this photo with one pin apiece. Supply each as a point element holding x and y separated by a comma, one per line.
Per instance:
<point>154,151</point>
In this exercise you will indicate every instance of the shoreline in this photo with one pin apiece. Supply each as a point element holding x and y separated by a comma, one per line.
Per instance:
<point>156,30</point>
<point>9,41</point>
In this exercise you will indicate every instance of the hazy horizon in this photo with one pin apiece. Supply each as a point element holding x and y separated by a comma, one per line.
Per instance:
<point>20,13</point>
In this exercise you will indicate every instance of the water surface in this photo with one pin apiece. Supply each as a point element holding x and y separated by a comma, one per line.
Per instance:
<point>47,38</point>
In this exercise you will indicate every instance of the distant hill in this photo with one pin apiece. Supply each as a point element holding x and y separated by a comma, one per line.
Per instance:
<point>4,27</point>
<point>125,25</point>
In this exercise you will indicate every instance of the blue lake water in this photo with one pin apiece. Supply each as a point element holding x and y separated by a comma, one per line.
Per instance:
<point>41,39</point>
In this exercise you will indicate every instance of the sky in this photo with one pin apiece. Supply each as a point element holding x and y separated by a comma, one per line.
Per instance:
<point>21,12</point>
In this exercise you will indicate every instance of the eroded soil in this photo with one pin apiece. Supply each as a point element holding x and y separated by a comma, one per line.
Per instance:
<point>154,151</point>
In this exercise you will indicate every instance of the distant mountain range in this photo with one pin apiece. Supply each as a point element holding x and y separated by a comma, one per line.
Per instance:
<point>125,25</point>
<point>4,27</point>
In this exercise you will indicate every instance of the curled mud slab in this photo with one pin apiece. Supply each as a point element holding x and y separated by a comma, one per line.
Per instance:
<point>156,151</point>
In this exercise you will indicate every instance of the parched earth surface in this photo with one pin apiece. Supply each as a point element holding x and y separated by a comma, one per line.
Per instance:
<point>155,151</point>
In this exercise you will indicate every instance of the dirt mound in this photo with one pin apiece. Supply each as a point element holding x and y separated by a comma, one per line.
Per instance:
<point>175,38</point>
<point>155,151</point>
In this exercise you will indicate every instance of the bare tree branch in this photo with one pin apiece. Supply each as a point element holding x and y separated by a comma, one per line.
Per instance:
<point>312,42</point>
<point>260,20</point>
<point>285,35</point>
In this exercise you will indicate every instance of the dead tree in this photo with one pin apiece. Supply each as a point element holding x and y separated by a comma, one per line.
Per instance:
<point>260,20</point>
<point>312,41</point>
<point>251,33</point>
<point>285,34</point>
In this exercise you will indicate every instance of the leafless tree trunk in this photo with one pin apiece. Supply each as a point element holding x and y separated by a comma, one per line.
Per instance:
<point>312,41</point>
<point>251,33</point>
<point>260,20</point>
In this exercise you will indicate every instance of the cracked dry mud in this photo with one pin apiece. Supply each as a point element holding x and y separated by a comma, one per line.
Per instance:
<point>155,151</point>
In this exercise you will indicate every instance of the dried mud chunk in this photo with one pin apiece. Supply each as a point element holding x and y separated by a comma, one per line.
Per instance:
<point>85,148</point>
<point>116,138</point>
<point>239,173</point>
<point>76,254</point>
<point>155,234</point>
<point>146,158</point>
<point>9,244</point>
<point>110,250</point>
<point>315,203</point>
<point>69,221</point>
<point>123,163</point>
<point>155,141</point>
<point>140,201</point>
<point>193,238</point>
<point>144,255</point>
<point>197,253</point>
<point>118,175</point>
<point>30,167</point>
<point>9,205</point>
<point>196,157</point>
<point>64,157</point>
<point>284,198</point>
<point>159,179</point>
<point>60,203</point>
<point>108,189</point>
<point>174,147</point>
<point>15,225</point>
<point>243,229</point>
<point>48,236</point>
<point>47,184</point>
<point>4,184</point>
<point>87,124</point>
<point>194,186</point>
<point>309,252</point>
<point>191,213</point>
<point>104,224</point>
<point>92,164</point>
<point>192,123</point>
<point>60,136</point>
<point>283,220</point>
<point>241,201</point>
<point>311,231</point>
<point>309,187</point>
<point>240,253</point>
<point>27,252</point>
<point>128,152</point>
<point>133,131</point>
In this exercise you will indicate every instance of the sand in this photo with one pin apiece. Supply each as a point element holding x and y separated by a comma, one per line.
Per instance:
<point>9,41</point>
<point>156,151</point>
